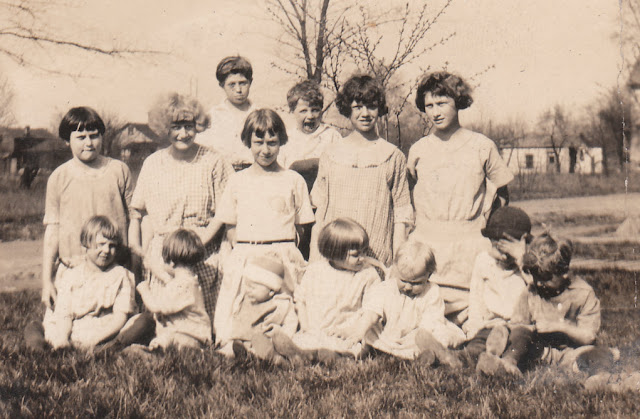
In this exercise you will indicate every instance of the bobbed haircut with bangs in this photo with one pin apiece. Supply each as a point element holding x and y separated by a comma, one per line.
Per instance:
<point>99,224</point>
<point>340,236</point>
<point>183,247</point>
<point>361,89</point>
<point>442,83</point>
<point>81,118</point>
<point>261,122</point>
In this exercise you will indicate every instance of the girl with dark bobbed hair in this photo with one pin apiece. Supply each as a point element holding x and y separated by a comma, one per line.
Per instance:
<point>363,177</point>
<point>451,167</point>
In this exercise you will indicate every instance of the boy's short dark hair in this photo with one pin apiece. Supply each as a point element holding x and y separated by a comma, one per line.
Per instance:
<point>308,91</point>
<point>99,224</point>
<point>443,83</point>
<point>233,65</point>
<point>548,255</point>
<point>262,121</point>
<point>82,118</point>
<point>340,236</point>
<point>183,247</point>
<point>362,89</point>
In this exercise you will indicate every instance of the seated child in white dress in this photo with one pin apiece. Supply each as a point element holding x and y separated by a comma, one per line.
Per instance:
<point>176,299</point>
<point>497,280</point>
<point>404,315</point>
<point>331,291</point>
<point>263,309</point>
<point>96,297</point>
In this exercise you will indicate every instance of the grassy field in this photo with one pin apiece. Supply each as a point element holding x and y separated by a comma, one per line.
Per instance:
<point>198,383</point>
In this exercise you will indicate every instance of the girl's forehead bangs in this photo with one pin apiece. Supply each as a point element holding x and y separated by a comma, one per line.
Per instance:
<point>182,115</point>
<point>366,97</point>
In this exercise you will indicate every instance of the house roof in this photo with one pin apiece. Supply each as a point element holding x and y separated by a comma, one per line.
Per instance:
<point>36,139</point>
<point>144,129</point>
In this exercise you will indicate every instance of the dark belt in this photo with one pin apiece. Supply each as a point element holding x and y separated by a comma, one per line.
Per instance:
<point>266,241</point>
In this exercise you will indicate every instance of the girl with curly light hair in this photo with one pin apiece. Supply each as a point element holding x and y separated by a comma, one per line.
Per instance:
<point>450,168</point>
<point>180,187</point>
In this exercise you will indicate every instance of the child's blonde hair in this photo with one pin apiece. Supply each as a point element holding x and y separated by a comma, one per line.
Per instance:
<point>548,255</point>
<point>183,247</point>
<point>340,236</point>
<point>99,224</point>
<point>415,257</point>
<point>174,107</point>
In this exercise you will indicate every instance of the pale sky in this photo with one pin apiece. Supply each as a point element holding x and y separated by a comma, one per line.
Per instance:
<point>544,52</point>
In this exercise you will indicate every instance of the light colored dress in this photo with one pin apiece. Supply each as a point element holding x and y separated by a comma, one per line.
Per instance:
<point>84,298</point>
<point>227,122</point>
<point>450,198</point>
<point>75,194</point>
<point>577,305</point>
<point>264,209</point>
<point>371,190</point>
<point>401,317</point>
<point>178,308</point>
<point>493,295</point>
<point>329,299</point>
<point>177,194</point>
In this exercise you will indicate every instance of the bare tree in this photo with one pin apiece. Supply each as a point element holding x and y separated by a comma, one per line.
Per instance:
<point>555,126</point>
<point>6,102</point>
<point>32,29</point>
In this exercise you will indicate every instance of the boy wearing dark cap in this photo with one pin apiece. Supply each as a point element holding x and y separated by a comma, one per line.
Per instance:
<point>497,283</point>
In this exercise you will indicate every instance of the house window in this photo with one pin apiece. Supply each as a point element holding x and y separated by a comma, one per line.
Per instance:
<point>528,160</point>
<point>552,158</point>
<point>130,130</point>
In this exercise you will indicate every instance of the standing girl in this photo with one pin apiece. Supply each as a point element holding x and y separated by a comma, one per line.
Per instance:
<point>363,177</point>
<point>451,167</point>
<point>180,186</point>
<point>266,204</point>
<point>329,297</point>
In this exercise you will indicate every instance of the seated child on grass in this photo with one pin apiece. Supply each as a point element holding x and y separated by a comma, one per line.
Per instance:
<point>263,309</point>
<point>175,298</point>
<point>95,298</point>
<point>404,315</point>
<point>497,281</point>
<point>331,291</point>
<point>556,319</point>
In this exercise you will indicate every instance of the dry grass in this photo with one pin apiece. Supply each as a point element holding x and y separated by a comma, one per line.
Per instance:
<point>195,383</point>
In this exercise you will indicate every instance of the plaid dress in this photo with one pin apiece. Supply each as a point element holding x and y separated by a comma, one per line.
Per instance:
<point>372,191</point>
<point>178,194</point>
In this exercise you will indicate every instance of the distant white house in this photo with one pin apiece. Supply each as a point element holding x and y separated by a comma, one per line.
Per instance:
<point>535,154</point>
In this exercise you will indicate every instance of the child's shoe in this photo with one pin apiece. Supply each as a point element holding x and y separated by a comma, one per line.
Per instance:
<point>490,364</point>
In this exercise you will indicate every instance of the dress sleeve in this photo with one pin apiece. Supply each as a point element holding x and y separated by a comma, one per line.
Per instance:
<point>374,299</point>
<point>138,204</point>
<point>589,315</point>
<point>320,192</point>
<point>304,212</point>
<point>127,193</point>
<point>172,298</point>
<point>495,167</point>
<point>402,209</point>
<point>220,175</point>
<point>52,200</point>
<point>125,299</point>
<point>227,211</point>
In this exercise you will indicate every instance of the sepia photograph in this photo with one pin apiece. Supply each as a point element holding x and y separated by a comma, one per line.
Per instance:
<point>319,208</point>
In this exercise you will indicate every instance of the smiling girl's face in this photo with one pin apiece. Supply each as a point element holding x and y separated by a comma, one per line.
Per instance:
<point>265,150</point>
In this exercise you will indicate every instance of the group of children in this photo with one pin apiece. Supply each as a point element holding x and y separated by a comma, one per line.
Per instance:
<point>415,275</point>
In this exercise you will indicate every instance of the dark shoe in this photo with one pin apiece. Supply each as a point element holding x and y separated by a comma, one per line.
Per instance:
<point>34,336</point>
<point>239,351</point>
